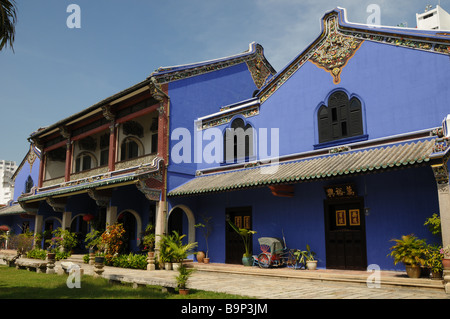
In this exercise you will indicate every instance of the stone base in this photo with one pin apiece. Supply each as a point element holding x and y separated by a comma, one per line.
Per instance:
<point>446,277</point>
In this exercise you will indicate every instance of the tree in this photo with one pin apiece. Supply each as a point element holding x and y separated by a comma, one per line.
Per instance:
<point>8,19</point>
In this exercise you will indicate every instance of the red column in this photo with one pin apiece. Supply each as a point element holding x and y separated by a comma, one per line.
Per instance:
<point>112,148</point>
<point>41,169</point>
<point>68,160</point>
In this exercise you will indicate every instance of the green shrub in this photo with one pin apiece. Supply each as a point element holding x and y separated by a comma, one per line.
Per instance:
<point>131,260</point>
<point>37,254</point>
<point>42,254</point>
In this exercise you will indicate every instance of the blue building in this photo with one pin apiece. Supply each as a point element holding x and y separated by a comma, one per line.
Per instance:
<point>25,179</point>
<point>343,149</point>
<point>108,163</point>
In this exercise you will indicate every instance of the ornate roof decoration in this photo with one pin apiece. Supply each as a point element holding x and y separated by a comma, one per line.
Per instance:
<point>259,67</point>
<point>226,114</point>
<point>104,180</point>
<point>340,40</point>
<point>362,161</point>
<point>336,50</point>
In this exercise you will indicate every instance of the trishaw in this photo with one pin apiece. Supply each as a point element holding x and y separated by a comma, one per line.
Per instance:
<point>276,254</point>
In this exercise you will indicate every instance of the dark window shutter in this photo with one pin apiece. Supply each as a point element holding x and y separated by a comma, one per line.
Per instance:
<point>324,124</point>
<point>340,119</point>
<point>355,117</point>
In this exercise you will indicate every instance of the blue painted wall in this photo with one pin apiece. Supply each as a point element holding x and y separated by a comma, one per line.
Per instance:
<point>202,95</point>
<point>399,203</point>
<point>402,90</point>
<point>22,176</point>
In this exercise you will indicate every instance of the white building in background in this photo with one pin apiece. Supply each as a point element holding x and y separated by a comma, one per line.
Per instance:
<point>433,19</point>
<point>7,169</point>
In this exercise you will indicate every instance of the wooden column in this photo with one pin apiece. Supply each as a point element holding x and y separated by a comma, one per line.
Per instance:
<point>112,147</point>
<point>41,169</point>
<point>110,116</point>
<point>68,160</point>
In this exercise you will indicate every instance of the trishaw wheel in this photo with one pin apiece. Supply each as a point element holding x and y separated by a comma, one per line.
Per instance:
<point>263,260</point>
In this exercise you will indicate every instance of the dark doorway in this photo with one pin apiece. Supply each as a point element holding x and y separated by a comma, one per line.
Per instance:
<point>175,222</point>
<point>345,234</point>
<point>234,246</point>
<point>48,229</point>
<point>80,228</point>
<point>129,224</point>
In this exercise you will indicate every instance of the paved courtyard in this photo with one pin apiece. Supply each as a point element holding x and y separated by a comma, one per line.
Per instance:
<point>292,288</point>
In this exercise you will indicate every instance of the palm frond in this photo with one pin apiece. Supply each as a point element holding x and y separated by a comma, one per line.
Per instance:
<point>8,19</point>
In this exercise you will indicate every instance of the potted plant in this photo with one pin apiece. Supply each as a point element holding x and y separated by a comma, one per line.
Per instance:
<point>100,258</point>
<point>183,276</point>
<point>445,251</point>
<point>433,260</point>
<point>148,240</point>
<point>246,235</point>
<point>206,229</point>
<point>409,250</point>
<point>306,258</point>
<point>180,251</point>
<point>165,251</point>
<point>92,240</point>
<point>311,262</point>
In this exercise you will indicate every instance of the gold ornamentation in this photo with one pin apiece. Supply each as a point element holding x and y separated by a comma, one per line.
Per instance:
<point>341,218</point>
<point>337,49</point>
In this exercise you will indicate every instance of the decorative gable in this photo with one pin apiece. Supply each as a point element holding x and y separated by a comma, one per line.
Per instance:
<point>340,40</point>
<point>335,51</point>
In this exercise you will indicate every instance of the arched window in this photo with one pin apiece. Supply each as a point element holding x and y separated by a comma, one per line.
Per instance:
<point>130,148</point>
<point>340,119</point>
<point>85,161</point>
<point>238,142</point>
<point>29,184</point>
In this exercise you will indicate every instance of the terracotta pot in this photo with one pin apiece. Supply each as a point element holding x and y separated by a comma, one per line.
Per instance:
<point>446,263</point>
<point>51,255</point>
<point>200,256</point>
<point>206,260</point>
<point>183,291</point>
<point>151,254</point>
<point>413,271</point>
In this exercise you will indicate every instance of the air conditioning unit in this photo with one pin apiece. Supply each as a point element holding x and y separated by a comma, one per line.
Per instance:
<point>446,125</point>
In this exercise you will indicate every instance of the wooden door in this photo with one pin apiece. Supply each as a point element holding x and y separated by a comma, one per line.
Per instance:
<point>234,246</point>
<point>345,235</point>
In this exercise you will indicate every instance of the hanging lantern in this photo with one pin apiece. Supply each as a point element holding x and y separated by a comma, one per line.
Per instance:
<point>88,217</point>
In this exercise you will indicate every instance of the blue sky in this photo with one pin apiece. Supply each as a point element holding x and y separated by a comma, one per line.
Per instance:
<point>57,71</point>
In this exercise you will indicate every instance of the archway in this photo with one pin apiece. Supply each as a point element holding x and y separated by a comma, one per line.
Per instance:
<point>187,222</point>
<point>80,227</point>
<point>132,224</point>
